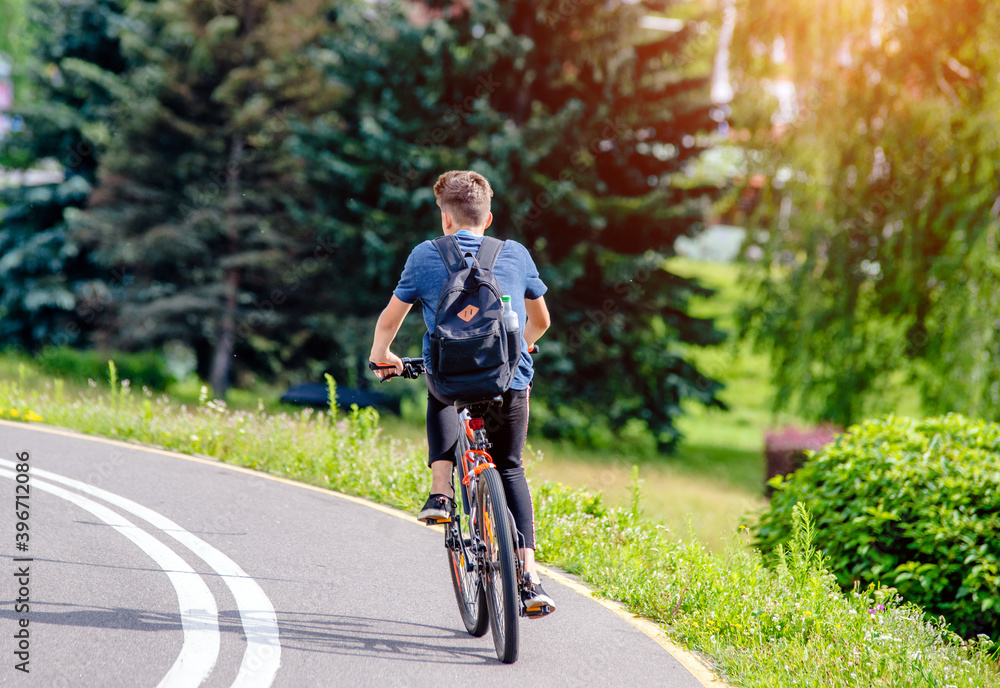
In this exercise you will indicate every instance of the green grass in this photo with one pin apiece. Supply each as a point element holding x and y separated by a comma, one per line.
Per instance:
<point>761,627</point>
<point>674,494</point>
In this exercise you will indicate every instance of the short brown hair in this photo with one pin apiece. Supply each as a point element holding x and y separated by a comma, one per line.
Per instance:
<point>465,195</point>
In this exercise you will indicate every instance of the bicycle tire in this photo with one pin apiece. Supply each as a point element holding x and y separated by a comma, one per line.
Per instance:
<point>500,566</point>
<point>470,592</point>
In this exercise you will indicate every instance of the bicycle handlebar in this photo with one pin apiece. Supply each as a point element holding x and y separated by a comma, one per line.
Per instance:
<point>412,369</point>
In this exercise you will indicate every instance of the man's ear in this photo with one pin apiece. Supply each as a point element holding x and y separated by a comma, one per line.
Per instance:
<point>489,220</point>
<point>446,221</point>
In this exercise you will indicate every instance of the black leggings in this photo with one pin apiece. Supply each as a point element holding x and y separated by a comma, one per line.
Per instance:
<point>507,428</point>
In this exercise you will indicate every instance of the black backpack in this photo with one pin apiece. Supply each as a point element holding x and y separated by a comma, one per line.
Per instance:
<point>472,354</point>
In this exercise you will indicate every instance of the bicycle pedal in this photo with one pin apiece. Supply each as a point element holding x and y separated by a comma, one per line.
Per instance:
<point>437,521</point>
<point>538,612</point>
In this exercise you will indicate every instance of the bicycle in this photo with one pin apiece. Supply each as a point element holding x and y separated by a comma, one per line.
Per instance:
<point>483,544</point>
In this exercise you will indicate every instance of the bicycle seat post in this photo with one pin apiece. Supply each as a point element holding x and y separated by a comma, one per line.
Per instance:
<point>478,408</point>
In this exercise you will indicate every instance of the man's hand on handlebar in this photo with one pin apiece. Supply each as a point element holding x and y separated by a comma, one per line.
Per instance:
<point>389,365</point>
<point>410,368</point>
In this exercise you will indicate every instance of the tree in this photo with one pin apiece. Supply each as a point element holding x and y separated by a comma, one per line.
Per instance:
<point>196,189</point>
<point>50,291</point>
<point>879,225</point>
<point>584,125</point>
<point>622,113</point>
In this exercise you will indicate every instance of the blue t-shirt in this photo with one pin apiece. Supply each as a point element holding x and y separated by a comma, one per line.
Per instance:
<point>425,273</point>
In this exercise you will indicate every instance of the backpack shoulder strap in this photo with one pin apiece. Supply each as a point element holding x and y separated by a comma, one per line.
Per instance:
<point>450,252</point>
<point>489,250</point>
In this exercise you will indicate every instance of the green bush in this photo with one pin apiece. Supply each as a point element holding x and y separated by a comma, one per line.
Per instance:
<point>910,504</point>
<point>147,368</point>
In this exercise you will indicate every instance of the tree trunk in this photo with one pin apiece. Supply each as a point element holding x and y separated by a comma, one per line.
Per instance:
<point>221,360</point>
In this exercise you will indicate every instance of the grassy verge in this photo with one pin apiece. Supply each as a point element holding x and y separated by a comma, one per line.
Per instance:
<point>682,497</point>
<point>762,627</point>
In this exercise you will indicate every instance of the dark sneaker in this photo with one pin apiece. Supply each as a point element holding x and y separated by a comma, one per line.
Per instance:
<point>536,602</point>
<point>438,509</point>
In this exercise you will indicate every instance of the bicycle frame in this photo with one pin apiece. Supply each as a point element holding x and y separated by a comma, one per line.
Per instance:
<point>472,461</point>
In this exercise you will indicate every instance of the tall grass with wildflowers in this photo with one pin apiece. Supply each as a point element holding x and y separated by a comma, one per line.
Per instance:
<point>788,625</point>
<point>342,451</point>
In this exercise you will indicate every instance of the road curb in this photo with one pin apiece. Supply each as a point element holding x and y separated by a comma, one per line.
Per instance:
<point>692,662</point>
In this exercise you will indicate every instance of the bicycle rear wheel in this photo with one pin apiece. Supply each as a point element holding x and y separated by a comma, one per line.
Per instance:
<point>501,566</point>
<point>469,589</point>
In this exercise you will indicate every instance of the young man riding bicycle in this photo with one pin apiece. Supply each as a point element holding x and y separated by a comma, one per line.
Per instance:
<point>464,199</point>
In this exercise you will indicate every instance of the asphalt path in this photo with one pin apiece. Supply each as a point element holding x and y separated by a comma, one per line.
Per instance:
<point>152,569</point>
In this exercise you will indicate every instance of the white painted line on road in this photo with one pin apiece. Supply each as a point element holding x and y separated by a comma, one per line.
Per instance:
<point>260,622</point>
<point>199,613</point>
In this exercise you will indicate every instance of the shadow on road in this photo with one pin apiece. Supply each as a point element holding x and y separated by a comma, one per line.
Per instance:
<point>383,638</point>
<point>66,614</point>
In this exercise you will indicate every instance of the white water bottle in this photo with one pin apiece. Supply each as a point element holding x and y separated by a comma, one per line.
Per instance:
<point>510,322</point>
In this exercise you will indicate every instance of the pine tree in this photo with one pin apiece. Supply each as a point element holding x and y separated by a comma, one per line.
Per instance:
<point>622,113</point>
<point>16,43</point>
<point>50,291</point>
<point>195,194</point>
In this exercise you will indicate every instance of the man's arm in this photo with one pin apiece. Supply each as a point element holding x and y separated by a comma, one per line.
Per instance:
<point>386,328</point>
<point>538,320</point>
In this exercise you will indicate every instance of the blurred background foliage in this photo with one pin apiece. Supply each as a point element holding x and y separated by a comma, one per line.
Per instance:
<point>878,224</point>
<point>48,284</point>
<point>246,178</point>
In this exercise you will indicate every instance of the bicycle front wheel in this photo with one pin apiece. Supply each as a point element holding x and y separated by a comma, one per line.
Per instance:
<point>469,590</point>
<point>500,566</point>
